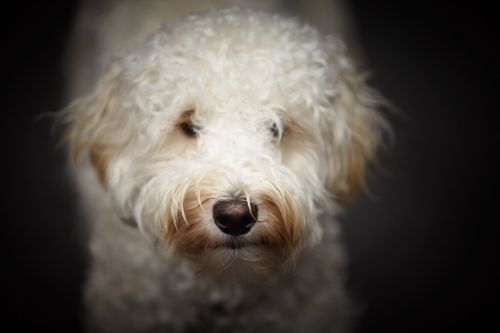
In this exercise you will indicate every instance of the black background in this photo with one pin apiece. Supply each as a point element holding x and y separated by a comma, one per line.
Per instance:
<point>422,251</point>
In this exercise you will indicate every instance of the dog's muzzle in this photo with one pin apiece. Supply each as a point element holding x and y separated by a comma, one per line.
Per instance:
<point>235,217</point>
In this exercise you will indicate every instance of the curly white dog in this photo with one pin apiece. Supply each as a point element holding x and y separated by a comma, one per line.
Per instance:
<point>229,139</point>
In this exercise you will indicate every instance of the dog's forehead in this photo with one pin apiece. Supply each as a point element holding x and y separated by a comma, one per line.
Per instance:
<point>247,57</point>
<point>246,65</point>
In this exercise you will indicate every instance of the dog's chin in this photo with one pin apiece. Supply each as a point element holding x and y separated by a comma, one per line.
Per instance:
<point>237,259</point>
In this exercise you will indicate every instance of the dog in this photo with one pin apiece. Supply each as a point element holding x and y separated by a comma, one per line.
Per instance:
<point>211,159</point>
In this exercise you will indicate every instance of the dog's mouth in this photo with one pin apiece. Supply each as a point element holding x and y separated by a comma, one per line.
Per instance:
<point>235,244</point>
<point>238,243</point>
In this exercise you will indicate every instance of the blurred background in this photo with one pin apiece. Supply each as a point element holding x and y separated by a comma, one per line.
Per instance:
<point>423,250</point>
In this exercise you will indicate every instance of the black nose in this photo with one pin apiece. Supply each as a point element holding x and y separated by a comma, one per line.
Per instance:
<point>234,217</point>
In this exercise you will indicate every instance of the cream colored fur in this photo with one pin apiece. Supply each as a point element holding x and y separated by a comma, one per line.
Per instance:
<point>280,117</point>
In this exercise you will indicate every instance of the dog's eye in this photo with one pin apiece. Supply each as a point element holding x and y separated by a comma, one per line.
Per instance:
<point>275,131</point>
<point>189,129</point>
<point>186,125</point>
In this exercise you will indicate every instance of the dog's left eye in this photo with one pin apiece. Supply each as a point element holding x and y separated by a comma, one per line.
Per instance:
<point>275,131</point>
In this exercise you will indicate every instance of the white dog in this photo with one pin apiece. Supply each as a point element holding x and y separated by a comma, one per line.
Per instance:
<point>228,138</point>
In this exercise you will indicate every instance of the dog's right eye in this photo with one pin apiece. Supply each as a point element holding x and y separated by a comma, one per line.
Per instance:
<point>186,125</point>
<point>189,129</point>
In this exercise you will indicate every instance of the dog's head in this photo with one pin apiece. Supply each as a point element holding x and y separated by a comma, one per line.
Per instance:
<point>227,135</point>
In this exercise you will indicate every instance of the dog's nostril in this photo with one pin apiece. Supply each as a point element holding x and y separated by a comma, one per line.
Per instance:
<point>234,217</point>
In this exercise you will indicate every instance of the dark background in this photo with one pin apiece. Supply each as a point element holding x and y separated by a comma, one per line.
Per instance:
<point>423,251</point>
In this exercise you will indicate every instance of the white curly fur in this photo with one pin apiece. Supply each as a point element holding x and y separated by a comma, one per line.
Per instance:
<point>282,119</point>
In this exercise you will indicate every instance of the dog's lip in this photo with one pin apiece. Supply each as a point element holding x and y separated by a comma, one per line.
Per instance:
<point>235,244</point>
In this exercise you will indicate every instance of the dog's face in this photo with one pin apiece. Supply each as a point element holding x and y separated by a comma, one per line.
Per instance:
<point>226,136</point>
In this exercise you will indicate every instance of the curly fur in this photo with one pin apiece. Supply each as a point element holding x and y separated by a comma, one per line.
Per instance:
<point>281,118</point>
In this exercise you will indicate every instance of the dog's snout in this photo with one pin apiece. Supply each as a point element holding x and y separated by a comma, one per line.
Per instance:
<point>235,217</point>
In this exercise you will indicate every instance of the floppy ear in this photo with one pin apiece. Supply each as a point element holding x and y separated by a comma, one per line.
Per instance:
<point>354,133</point>
<point>91,121</point>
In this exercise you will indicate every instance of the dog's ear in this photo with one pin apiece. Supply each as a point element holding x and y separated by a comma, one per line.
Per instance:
<point>91,121</point>
<point>354,132</point>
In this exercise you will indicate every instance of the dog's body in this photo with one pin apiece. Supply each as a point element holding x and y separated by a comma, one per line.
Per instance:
<point>227,116</point>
